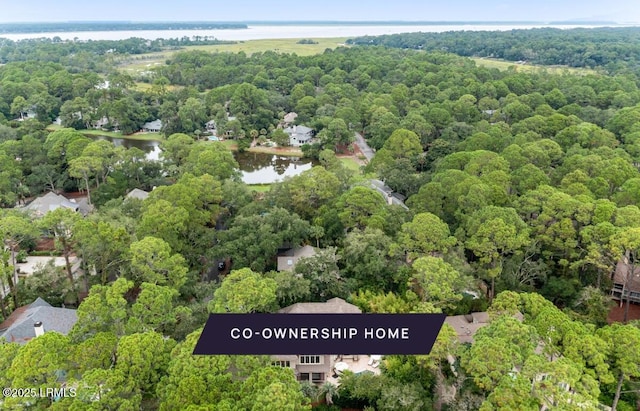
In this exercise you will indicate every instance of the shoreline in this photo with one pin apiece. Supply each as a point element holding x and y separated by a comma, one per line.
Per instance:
<point>278,151</point>
<point>101,133</point>
<point>297,30</point>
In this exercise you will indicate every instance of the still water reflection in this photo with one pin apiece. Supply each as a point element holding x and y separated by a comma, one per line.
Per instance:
<point>256,168</point>
<point>151,148</point>
<point>259,168</point>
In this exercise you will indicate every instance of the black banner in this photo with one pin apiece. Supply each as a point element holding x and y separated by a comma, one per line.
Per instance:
<point>284,334</point>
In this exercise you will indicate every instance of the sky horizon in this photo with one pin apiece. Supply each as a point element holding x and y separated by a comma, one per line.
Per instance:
<point>44,11</point>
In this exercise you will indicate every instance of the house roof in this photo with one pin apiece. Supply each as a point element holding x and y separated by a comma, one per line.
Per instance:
<point>299,130</point>
<point>299,252</point>
<point>84,207</point>
<point>633,282</point>
<point>333,306</point>
<point>49,202</point>
<point>137,193</point>
<point>153,125</point>
<point>102,122</point>
<point>290,117</point>
<point>294,255</point>
<point>19,326</point>
<point>467,325</point>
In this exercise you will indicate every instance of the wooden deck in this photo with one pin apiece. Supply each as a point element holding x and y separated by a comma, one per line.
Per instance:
<point>617,313</point>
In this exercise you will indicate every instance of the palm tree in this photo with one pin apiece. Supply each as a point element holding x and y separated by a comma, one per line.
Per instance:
<point>310,390</point>
<point>329,391</point>
<point>254,135</point>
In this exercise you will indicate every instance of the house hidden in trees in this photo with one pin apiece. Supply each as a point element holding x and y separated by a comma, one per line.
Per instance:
<point>313,367</point>
<point>138,194</point>
<point>51,201</point>
<point>152,127</point>
<point>625,283</point>
<point>35,319</point>
<point>211,127</point>
<point>466,326</point>
<point>101,123</point>
<point>289,118</point>
<point>287,259</point>
<point>27,115</point>
<point>299,135</point>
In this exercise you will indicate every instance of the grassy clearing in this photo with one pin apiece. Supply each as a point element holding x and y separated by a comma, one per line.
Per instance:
<point>277,45</point>
<point>530,68</point>
<point>141,86</point>
<point>137,136</point>
<point>260,188</point>
<point>145,62</point>
<point>350,163</point>
<point>96,133</point>
<point>139,64</point>
<point>230,144</point>
<point>280,151</point>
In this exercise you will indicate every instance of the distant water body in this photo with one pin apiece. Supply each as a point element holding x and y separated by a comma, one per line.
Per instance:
<point>258,32</point>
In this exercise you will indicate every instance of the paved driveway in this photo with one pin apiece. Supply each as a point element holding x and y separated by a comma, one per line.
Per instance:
<point>364,147</point>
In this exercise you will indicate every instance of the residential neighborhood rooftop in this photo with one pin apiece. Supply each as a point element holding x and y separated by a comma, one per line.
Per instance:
<point>333,306</point>
<point>51,201</point>
<point>138,194</point>
<point>19,326</point>
<point>467,325</point>
<point>287,260</point>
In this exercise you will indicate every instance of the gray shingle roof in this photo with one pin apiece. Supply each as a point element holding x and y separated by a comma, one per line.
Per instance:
<point>20,329</point>
<point>137,193</point>
<point>153,125</point>
<point>49,202</point>
<point>84,207</point>
<point>298,130</point>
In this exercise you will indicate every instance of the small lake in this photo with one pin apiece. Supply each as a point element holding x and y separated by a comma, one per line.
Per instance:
<point>260,168</point>
<point>256,168</point>
<point>151,148</point>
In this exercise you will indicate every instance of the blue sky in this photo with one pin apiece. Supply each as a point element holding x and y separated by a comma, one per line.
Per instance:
<point>242,10</point>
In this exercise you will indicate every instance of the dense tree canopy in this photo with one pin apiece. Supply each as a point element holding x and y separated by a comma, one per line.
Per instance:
<point>514,188</point>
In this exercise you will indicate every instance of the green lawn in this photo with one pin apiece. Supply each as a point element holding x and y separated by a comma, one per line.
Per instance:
<point>146,62</point>
<point>141,86</point>
<point>529,68</point>
<point>260,188</point>
<point>277,45</point>
<point>141,136</point>
<point>350,163</point>
<point>286,151</point>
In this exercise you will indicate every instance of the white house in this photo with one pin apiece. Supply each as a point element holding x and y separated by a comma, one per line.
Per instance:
<point>152,127</point>
<point>299,135</point>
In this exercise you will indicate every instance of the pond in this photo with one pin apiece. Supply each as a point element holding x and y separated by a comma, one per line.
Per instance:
<point>261,168</point>
<point>256,168</point>
<point>151,148</point>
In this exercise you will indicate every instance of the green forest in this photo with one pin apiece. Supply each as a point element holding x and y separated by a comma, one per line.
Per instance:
<point>522,193</point>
